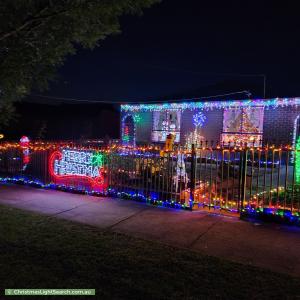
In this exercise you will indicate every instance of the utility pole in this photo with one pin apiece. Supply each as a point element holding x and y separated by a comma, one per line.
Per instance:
<point>265,77</point>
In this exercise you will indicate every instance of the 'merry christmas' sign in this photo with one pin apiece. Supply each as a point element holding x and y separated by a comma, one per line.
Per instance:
<point>68,165</point>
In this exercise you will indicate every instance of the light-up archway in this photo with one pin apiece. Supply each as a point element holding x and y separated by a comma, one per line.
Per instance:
<point>128,130</point>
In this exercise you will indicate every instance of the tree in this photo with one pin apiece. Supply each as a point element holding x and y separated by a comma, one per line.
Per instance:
<point>36,36</point>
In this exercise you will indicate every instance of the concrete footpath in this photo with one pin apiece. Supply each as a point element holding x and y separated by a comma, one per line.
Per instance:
<point>276,247</point>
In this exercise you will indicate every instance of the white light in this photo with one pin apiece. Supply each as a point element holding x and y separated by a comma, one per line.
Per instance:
<point>76,162</point>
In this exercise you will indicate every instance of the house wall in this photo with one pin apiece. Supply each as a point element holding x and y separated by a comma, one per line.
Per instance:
<point>144,128</point>
<point>278,125</point>
<point>211,129</point>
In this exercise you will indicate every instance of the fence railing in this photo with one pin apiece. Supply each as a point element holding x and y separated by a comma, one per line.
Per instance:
<point>248,178</point>
<point>234,179</point>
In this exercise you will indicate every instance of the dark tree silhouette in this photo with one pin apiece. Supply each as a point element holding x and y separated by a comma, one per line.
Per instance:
<point>36,36</point>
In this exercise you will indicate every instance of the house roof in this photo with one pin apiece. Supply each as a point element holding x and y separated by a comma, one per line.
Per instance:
<point>189,104</point>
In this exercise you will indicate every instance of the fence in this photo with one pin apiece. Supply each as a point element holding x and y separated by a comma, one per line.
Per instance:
<point>225,179</point>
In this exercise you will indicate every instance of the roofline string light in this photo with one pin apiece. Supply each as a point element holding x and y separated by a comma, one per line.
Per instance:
<point>209,105</point>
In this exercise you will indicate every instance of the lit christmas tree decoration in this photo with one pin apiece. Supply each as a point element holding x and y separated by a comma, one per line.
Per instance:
<point>126,134</point>
<point>195,138</point>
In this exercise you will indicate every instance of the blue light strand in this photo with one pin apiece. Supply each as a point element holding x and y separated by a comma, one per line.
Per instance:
<point>272,214</point>
<point>109,193</point>
<point>209,105</point>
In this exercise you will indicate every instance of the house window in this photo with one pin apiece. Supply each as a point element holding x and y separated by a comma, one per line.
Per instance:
<point>164,123</point>
<point>243,126</point>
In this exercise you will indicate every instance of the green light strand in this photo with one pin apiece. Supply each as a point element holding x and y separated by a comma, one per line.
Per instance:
<point>97,159</point>
<point>137,119</point>
<point>126,138</point>
<point>297,162</point>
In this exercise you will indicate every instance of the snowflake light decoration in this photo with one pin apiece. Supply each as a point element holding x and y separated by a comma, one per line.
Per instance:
<point>199,119</point>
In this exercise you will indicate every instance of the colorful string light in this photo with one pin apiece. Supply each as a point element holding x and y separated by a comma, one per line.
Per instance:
<point>128,136</point>
<point>76,167</point>
<point>93,157</point>
<point>272,214</point>
<point>202,105</point>
<point>137,119</point>
<point>297,162</point>
<point>295,133</point>
<point>265,213</point>
<point>109,192</point>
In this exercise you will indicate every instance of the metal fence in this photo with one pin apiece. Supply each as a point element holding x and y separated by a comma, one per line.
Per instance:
<point>224,179</point>
<point>239,178</point>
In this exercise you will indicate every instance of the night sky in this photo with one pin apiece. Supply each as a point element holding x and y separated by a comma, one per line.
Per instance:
<point>190,49</point>
<point>176,50</point>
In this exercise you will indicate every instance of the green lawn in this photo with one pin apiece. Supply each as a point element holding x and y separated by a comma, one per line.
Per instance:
<point>41,252</point>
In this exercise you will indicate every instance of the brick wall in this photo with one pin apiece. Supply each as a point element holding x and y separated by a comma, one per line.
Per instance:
<point>278,124</point>
<point>211,129</point>
<point>144,128</point>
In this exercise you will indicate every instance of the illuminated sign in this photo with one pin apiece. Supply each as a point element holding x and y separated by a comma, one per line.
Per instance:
<point>68,165</point>
<point>75,162</point>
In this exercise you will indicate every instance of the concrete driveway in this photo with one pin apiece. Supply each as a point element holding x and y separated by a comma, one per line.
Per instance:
<point>272,246</point>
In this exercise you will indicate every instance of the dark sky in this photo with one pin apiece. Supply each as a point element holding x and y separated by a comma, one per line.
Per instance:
<point>179,48</point>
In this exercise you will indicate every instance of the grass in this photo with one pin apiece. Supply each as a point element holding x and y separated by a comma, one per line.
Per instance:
<point>41,252</point>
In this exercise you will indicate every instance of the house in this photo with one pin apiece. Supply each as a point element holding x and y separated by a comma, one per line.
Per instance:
<point>239,121</point>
